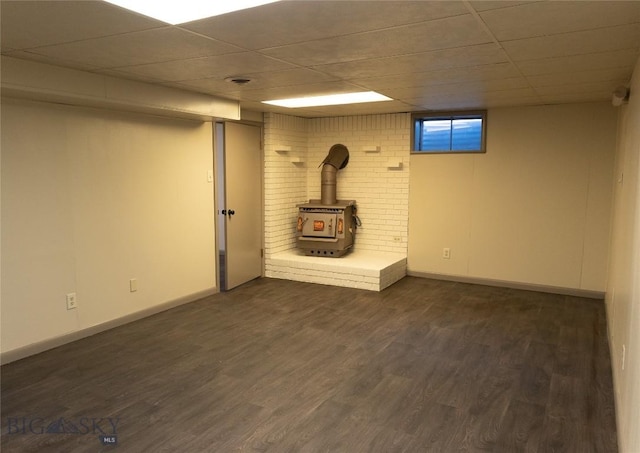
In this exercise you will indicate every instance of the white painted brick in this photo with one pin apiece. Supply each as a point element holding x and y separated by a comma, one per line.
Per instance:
<point>366,179</point>
<point>358,270</point>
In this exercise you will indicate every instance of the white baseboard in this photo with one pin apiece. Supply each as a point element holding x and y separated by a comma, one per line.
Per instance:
<point>41,346</point>
<point>514,285</point>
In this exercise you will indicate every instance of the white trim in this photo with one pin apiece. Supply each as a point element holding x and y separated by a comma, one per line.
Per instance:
<point>24,79</point>
<point>514,285</point>
<point>41,346</point>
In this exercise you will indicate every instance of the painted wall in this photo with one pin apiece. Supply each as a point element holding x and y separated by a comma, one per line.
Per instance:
<point>92,199</point>
<point>623,288</point>
<point>534,209</point>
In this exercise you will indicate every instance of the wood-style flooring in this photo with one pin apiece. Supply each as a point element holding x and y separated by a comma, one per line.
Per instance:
<point>281,366</point>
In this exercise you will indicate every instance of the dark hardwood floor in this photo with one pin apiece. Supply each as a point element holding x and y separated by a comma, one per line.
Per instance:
<point>280,366</point>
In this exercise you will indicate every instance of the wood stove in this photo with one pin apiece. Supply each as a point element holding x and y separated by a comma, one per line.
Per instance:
<point>327,227</point>
<point>326,230</point>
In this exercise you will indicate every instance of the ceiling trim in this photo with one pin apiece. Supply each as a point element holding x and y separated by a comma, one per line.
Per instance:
<point>42,82</point>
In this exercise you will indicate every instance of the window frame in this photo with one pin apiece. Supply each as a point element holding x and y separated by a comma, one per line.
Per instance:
<point>449,115</point>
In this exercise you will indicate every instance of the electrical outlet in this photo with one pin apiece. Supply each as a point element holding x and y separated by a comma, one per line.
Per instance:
<point>71,301</point>
<point>446,253</point>
<point>397,239</point>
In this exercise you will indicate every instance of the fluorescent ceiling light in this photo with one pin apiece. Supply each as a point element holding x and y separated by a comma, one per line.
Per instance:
<point>331,99</point>
<point>181,11</point>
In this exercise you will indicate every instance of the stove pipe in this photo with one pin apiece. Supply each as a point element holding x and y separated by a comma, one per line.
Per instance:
<point>337,159</point>
<point>328,189</point>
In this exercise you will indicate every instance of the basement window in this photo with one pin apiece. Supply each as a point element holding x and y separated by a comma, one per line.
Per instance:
<point>449,132</point>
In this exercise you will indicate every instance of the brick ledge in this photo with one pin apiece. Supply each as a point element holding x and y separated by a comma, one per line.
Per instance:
<point>368,270</point>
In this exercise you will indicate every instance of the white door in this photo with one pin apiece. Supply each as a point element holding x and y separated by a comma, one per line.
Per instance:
<point>243,207</point>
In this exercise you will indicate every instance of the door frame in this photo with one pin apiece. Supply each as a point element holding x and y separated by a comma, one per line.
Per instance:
<point>217,151</point>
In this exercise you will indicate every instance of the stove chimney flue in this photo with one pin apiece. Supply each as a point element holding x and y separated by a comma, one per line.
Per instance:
<point>337,159</point>
<point>328,188</point>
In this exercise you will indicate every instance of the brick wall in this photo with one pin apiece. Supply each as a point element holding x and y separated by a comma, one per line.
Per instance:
<point>378,181</point>
<point>285,182</point>
<point>381,193</point>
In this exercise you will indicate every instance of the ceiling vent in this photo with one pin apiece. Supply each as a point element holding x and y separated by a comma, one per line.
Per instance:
<point>239,80</point>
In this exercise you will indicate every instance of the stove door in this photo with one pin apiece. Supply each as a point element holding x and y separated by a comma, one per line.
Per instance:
<point>318,224</point>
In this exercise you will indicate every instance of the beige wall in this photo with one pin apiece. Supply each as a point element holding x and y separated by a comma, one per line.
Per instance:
<point>91,199</point>
<point>623,288</point>
<point>535,209</point>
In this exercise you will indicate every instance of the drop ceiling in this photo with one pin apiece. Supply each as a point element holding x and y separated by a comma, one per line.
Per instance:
<point>426,55</point>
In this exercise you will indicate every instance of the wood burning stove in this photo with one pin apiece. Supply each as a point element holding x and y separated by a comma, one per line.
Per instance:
<point>326,230</point>
<point>327,227</point>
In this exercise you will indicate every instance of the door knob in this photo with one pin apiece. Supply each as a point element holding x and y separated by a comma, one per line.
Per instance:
<point>231,212</point>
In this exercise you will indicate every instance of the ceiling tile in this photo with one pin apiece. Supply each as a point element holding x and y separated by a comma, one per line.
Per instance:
<point>259,107</point>
<point>27,24</point>
<point>420,62</point>
<point>510,96</point>
<point>542,19</point>
<point>209,67</point>
<point>570,98</point>
<point>147,46</point>
<point>617,75</point>
<point>585,89</point>
<point>485,72</point>
<point>576,43</point>
<point>473,86</point>
<point>476,100</point>
<point>27,55</point>
<point>283,23</point>
<point>485,5</point>
<point>625,58</point>
<point>370,108</point>
<point>318,112</point>
<point>452,32</point>
<point>311,89</point>
<point>457,53</point>
<point>501,94</point>
<point>261,80</point>
<point>125,75</point>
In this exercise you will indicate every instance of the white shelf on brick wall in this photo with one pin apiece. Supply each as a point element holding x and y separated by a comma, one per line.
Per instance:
<point>296,160</point>
<point>371,149</point>
<point>283,149</point>
<point>395,164</point>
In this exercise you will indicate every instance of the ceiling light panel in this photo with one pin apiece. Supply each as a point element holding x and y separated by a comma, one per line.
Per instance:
<point>178,12</point>
<point>331,99</point>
